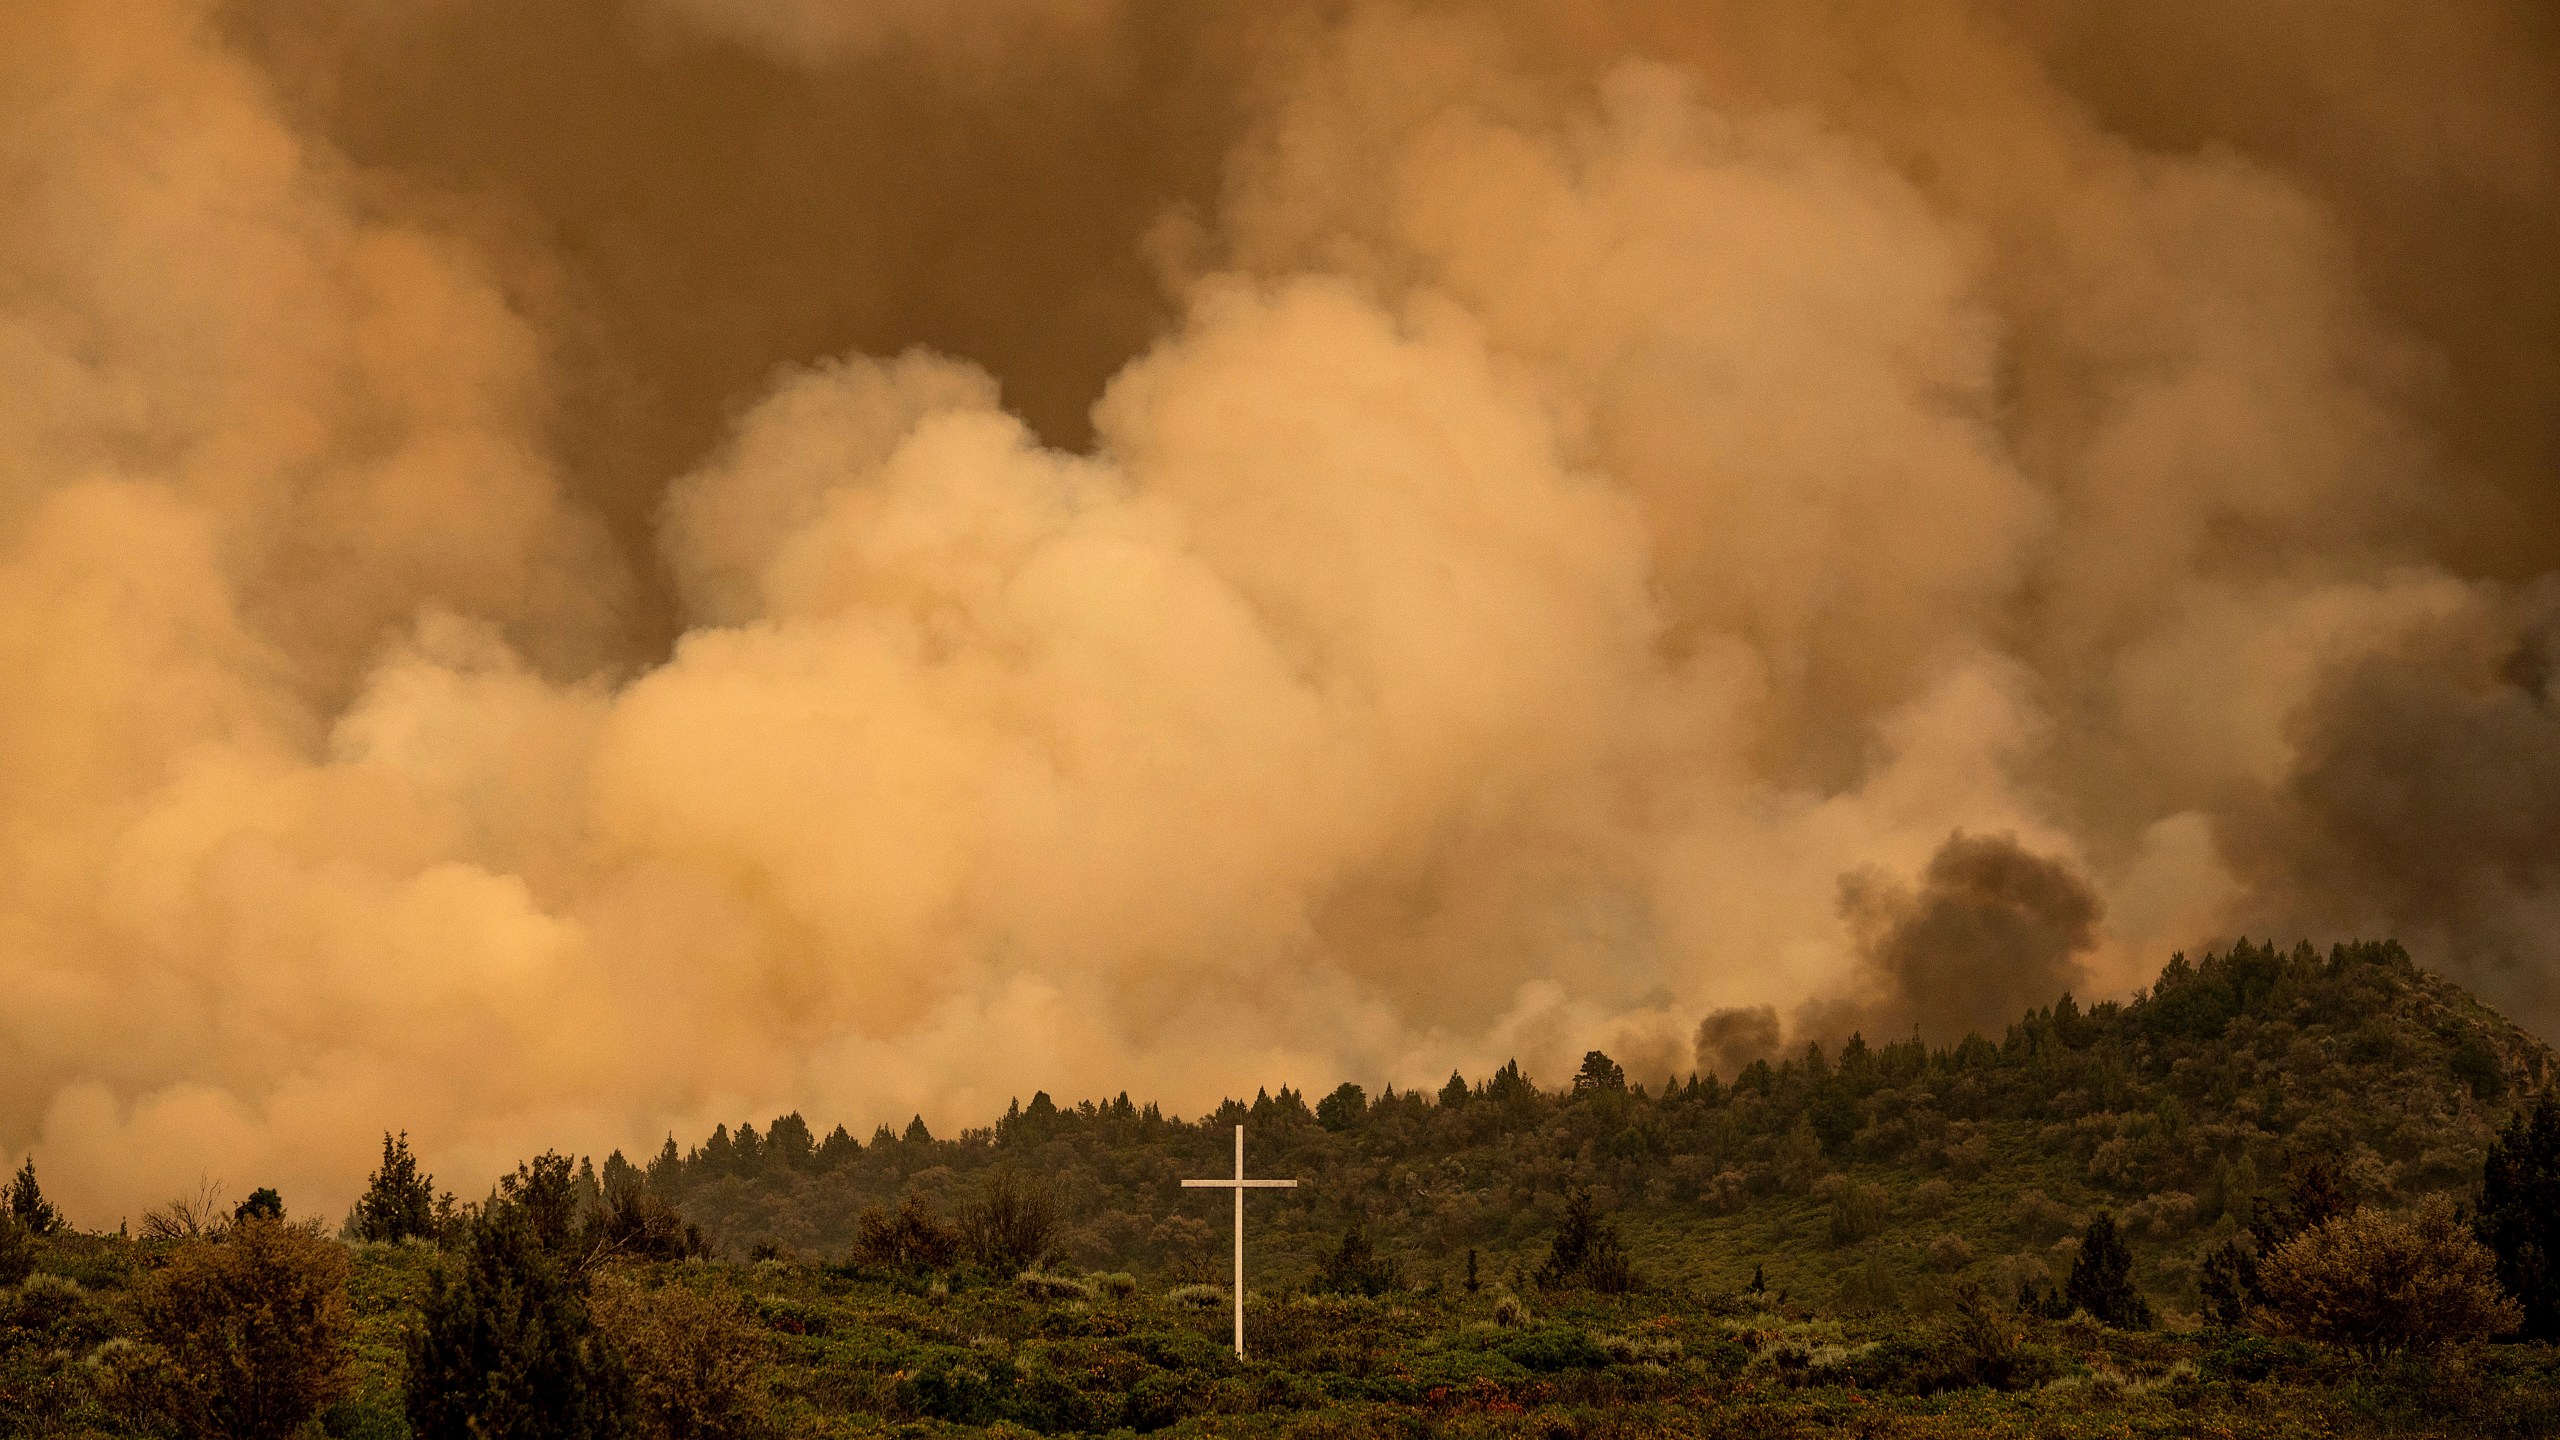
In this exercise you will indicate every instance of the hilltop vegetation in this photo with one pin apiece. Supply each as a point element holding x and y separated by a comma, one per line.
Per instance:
<point>2227,1207</point>
<point>1874,1170</point>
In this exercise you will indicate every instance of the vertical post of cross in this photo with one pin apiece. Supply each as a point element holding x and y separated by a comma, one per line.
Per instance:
<point>1240,1185</point>
<point>1239,1241</point>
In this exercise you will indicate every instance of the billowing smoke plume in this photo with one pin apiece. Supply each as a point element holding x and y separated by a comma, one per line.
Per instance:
<point>1991,930</point>
<point>2424,801</point>
<point>571,571</point>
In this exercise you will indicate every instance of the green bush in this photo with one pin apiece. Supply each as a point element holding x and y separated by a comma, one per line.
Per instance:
<point>696,1359</point>
<point>2240,1356</point>
<point>956,1386</point>
<point>2377,1284</point>
<point>1048,1285</point>
<point>1554,1347</point>
<point>1976,1347</point>
<point>248,1335</point>
<point>1858,1212</point>
<point>505,1347</point>
<point>1159,1398</point>
<point>17,1249</point>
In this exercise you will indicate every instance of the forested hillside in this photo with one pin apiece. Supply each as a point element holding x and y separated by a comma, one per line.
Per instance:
<point>1871,1172</point>
<point>2227,1207</point>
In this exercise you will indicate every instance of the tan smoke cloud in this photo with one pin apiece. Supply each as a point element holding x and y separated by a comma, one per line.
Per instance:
<point>817,31</point>
<point>1456,529</point>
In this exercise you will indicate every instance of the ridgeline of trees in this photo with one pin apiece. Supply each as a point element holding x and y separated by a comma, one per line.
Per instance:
<point>2186,1113</point>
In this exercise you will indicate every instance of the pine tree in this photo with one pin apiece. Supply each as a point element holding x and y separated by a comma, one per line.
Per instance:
<point>666,1172</point>
<point>399,1203</point>
<point>2228,1283</point>
<point>505,1349</point>
<point>719,1153</point>
<point>17,1249</point>
<point>1598,1073</point>
<point>1356,1267</point>
<point>1586,1252</point>
<point>2102,1278</point>
<point>27,1202</point>
<point>1455,1093</point>
<point>2314,1199</point>
<point>788,1143</point>
<point>2519,1214</point>
<point>548,1193</point>
<point>637,1224</point>
<point>1343,1108</point>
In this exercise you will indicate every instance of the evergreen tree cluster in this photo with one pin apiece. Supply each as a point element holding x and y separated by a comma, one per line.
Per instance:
<point>2519,1213</point>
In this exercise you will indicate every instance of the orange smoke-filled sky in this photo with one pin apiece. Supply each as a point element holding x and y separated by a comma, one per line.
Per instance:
<point>572,571</point>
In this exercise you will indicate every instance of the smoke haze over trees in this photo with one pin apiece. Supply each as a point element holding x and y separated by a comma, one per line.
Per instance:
<point>574,571</point>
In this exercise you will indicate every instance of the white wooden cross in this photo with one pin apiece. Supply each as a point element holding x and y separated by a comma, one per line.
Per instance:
<point>1239,1185</point>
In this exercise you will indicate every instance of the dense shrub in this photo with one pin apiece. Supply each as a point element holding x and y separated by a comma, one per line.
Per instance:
<point>505,1347</point>
<point>248,1335</point>
<point>1869,1287</point>
<point>1555,1347</point>
<point>1857,1213</point>
<point>17,1249</point>
<point>637,1225</point>
<point>1010,1227</point>
<point>2377,1284</point>
<point>696,1359</point>
<point>1049,1285</point>
<point>2227,1283</point>
<point>908,1238</point>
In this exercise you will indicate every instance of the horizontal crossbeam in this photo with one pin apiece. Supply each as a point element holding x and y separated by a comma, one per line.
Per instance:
<point>1239,1184</point>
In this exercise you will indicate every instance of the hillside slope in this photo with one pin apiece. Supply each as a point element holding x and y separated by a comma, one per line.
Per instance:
<point>1877,1173</point>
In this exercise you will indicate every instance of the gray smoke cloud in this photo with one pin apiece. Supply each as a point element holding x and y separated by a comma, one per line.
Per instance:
<point>573,571</point>
<point>1990,930</point>
<point>2425,802</point>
